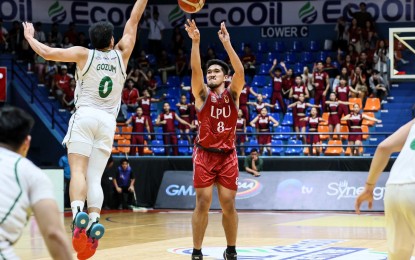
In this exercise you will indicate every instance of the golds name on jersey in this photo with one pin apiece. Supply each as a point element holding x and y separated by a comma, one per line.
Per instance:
<point>107,67</point>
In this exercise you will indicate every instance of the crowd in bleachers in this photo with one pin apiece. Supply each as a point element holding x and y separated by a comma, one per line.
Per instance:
<point>315,89</point>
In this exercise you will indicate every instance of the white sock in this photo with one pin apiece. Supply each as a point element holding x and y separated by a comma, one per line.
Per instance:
<point>93,216</point>
<point>75,205</point>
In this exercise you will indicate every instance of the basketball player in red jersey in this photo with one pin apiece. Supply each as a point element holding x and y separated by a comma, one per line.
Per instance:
<point>314,138</point>
<point>243,100</point>
<point>241,130</point>
<point>355,119</point>
<point>298,89</point>
<point>343,91</point>
<point>277,87</point>
<point>184,112</point>
<point>139,122</point>
<point>167,119</point>
<point>321,83</point>
<point>214,156</point>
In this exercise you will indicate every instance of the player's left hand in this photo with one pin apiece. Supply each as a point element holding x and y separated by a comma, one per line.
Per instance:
<point>29,30</point>
<point>223,33</point>
<point>366,195</point>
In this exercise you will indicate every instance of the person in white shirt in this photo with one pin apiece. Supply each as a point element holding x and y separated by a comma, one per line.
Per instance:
<point>25,187</point>
<point>100,78</point>
<point>400,190</point>
<point>155,34</point>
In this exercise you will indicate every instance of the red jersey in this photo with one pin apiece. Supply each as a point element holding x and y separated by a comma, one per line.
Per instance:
<point>355,122</point>
<point>259,107</point>
<point>277,84</point>
<point>313,124</point>
<point>62,81</point>
<point>240,124</point>
<point>69,94</point>
<point>145,104</point>
<point>263,123</point>
<point>139,123</point>
<point>130,96</point>
<point>343,93</point>
<point>184,110</point>
<point>169,126</point>
<point>248,58</point>
<point>217,120</point>
<point>297,90</point>
<point>287,83</point>
<point>300,109</point>
<point>332,107</point>
<point>321,79</point>
<point>243,98</point>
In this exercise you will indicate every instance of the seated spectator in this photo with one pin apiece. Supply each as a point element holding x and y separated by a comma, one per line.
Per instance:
<point>369,33</point>
<point>259,104</point>
<point>40,65</point>
<point>241,132</point>
<point>142,61</point>
<point>129,98</point>
<point>380,59</point>
<point>69,95</point>
<point>71,34</point>
<point>151,82</point>
<point>66,43</point>
<point>177,40</point>
<point>50,71</point>
<point>355,36</point>
<point>359,83</point>
<point>364,62</point>
<point>262,123</point>
<point>140,124</point>
<point>355,119</point>
<point>248,61</point>
<point>343,74</point>
<point>124,184</point>
<point>39,33</point>
<point>313,138</point>
<point>253,164</point>
<point>181,63</point>
<point>55,36</point>
<point>167,119</point>
<point>82,40</point>
<point>139,78</point>
<point>165,66</point>
<point>61,83</point>
<point>378,85</point>
<point>299,111</point>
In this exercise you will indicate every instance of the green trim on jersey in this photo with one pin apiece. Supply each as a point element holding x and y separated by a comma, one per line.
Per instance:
<point>119,62</point>
<point>92,59</point>
<point>2,256</point>
<point>18,196</point>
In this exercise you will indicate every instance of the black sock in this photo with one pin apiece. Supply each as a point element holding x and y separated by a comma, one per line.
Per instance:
<point>231,250</point>
<point>197,251</point>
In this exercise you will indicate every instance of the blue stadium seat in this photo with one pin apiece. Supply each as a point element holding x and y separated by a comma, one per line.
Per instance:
<point>264,68</point>
<point>186,80</point>
<point>159,132</point>
<point>277,107</point>
<point>298,68</point>
<point>173,81</point>
<point>297,46</point>
<point>276,149</point>
<point>311,101</point>
<point>253,143</point>
<point>269,57</point>
<point>279,46</point>
<point>322,55</point>
<point>173,91</point>
<point>158,79</point>
<point>278,133</point>
<point>243,44</point>
<point>276,116</point>
<point>294,150</point>
<point>248,80</point>
<point>259,81</point>
<point>336,64</point>
<point>307,57</point>
<point>183,147</point>
<point>261,47</point>
<point>267,92</point>
<point>290,57</point>
<point>153,107</point>
<point>157,147</point>
<point>172,103</point>
<point>288,119</point>
<point>314,46</point>
<point>151,59</point>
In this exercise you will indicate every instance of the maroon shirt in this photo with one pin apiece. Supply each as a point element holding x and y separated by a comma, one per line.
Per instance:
<point>240,124</point>
<point>243,98</point>
<point>297,90</point>
<point>287,83</point>
<point>259,107</point>
<point>355,120</point>
<point>313,124</point>
<point>217,120</point>
<point>332,107</point>
<point>145,104</point>
<point>263,122</point>
<point>184,110</point>
<point>277,84</point>
<point>321,79</point>
<point>139,123</point>
<point>343,93</point>
<point>300,108</point>
<point>169,127</point>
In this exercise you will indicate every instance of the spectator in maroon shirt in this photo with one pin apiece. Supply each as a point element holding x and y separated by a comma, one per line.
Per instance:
<point>71,34</point>
<point>181,63</point>
<point>167,120</point>
<point>129,98</point>
<point>248,60</point>
<point>143,62</point>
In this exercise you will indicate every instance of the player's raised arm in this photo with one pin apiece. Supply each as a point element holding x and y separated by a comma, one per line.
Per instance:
<point>238,78</point>
<point>199,89</point>
<point>74,54</point>
<point>127,42</point>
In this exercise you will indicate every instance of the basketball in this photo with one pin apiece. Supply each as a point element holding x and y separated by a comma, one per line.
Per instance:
<point>191,6</point>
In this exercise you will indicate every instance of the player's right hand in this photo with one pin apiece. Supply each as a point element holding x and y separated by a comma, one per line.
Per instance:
<point>366,195</point>
<point>29,30</point>
<point>192,30</point>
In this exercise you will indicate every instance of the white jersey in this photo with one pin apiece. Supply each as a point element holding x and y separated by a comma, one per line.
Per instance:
<point>100,83</point>
<point>403,170</point>
<point>23,185</point>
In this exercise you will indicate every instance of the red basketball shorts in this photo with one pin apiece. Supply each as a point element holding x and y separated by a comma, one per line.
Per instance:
<point>210,168</point>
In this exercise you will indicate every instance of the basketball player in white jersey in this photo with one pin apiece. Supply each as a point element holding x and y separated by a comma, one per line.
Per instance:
<point>25,187</point>
<point>100,78</point>
<point>400,190</point>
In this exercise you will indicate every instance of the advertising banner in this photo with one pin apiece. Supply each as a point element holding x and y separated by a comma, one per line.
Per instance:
<point>267,15</point>
<point>308,190</point>
<point>3,84</point>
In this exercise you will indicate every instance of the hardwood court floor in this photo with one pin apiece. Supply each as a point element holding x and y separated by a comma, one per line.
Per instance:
<point>262,235</point>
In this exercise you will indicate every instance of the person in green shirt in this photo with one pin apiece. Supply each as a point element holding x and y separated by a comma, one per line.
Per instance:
<point>253,164</point>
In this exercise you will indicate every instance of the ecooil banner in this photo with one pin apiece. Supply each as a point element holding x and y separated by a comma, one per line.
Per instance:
<point>333,190</point>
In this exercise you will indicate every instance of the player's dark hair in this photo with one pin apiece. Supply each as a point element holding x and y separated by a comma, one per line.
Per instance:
<point>101,34</point>
<point>123,160</point>
<point>15,126</point>
<point>222,64</point>
<point>278,69</point>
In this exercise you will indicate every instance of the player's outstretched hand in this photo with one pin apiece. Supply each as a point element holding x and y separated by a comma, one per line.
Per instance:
<point>223,33</point>
<point>366,195</point>
<point>29,30</point>
<point>192,30</point>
